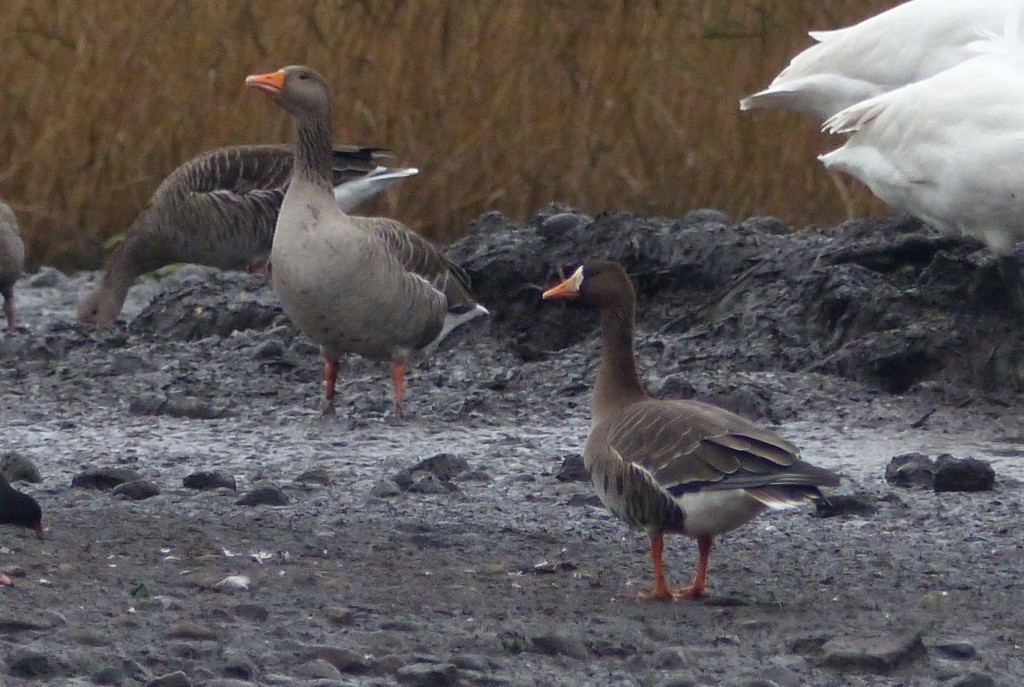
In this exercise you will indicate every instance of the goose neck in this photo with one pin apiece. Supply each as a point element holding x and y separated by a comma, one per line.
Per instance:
<point>618,382</point>
<point>313,147</point>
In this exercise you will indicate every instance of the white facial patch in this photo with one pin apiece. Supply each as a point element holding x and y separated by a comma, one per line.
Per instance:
<point>577,279</point>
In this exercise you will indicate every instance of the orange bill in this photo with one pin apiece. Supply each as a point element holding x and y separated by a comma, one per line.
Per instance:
<point>271,83</point>
<point>570,288</point>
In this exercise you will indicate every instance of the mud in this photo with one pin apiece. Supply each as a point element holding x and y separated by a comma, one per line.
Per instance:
<point>492,565</point>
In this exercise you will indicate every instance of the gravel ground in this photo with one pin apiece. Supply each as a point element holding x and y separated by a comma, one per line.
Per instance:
<point>460,546</point>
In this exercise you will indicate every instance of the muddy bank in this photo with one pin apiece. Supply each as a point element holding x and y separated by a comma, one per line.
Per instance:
<point>859,342</point>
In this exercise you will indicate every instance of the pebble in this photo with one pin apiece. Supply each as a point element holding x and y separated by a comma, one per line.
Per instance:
<point>428,674</point>
<point>872,653</point>
<point>558,644</point>
<point>670,658</point>
<point>18,468</point>
<point>254,612</point>
<point>845,504</point>
<point>956,648</point>
<point>573,469</point>
<point>345,660</point>
<point>237,665</point>
<point>104,478</point>
<point>183,629</point>
<point>315,476</point>
<point>208,480</point>
<point>264,495</point>
<point>973,679</point>
<point>677,678</point>
<point>30,664</point>
<point>137,489</point>
<point>184,407</point>
<point>963,474</point>
<point>318,669</point>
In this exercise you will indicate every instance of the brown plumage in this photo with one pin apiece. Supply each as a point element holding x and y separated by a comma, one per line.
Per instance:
<point>674,466</point>
<point>12,260</point>
<point>365,285</point>
<point>219,209</point>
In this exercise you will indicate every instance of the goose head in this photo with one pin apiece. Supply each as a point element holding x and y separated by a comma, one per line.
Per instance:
<point>297,89</point>
<point>100,308</point>
<point>598,284</point>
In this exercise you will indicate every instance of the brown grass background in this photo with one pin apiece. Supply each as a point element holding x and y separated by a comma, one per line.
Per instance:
<point>502,104</point>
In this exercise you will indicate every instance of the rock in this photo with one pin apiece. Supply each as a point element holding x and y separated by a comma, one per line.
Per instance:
<point>158,404</point>
<point>137,489</point>
<point>677,678</point>
<point>428,483</point>
<point>18,468</point>
<point>264,495</point>
<point>955,648</point>
<point>572,469</point>
<point>268,349</point>
<point>47,278</point>
<point>386,488</point>
<point>910,470</point>
<point>212,479</point>
<point>254,612</point>
<point>880,653</point>
<point>315,476</point>
<point>557,644</point>
<point>184,629</point>
<point>117,670</point>
<point>670,658</point>
<point>341,617</point>
<point>31,665</point>
<point>318,669</point>
<point>103,478</point>
<point>972,679</point>
<point>175,679</point>
<point>962,474</point>
<point>239,666</point>
<point>428,674</point>
<point>580,500</point>
<point>845,504</point>
<point>345,660</point>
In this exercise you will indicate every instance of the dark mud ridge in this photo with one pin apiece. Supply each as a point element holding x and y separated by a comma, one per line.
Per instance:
<point>207,527</point>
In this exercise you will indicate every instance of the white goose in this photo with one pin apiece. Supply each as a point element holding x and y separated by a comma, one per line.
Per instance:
<point>948,150</point>
<point>907,43</point>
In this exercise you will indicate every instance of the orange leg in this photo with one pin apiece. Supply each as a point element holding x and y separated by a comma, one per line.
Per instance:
<point>330,378</point>
<point>696,590</point>
<point>9,312</point>
<point>661,591</point>
<point>398,381</point>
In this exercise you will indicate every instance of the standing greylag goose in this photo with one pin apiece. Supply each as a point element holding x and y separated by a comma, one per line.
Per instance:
<point>365,285</point>
<point>219,209</point>
<point>675,466</point>
<point>12,260</point>
<point>902,45</point>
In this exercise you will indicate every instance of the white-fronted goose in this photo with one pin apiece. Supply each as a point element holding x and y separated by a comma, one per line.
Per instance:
<point>907,43</point>
<point>365,285</point>
<point>219,209</point>
<point>674,466</point>
<point>12,260</point>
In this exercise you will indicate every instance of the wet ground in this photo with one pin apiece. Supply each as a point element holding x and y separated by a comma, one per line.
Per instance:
<point>492,564</point>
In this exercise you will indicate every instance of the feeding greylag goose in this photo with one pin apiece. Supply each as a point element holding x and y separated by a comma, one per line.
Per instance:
<point>12,260</point>
<point>902,45</point>
<point>365,285</point>
<point>674,466</point>
<point>219,209</point>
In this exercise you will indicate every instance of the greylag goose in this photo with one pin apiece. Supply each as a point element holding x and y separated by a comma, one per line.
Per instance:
<point>18,509</point>
<point>219,209</point>
<point>12,260</point>
<point>668,466</point>
<point>365,285</point>
<point>902,45</point>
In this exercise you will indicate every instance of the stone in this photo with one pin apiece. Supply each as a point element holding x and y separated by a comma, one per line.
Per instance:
<point>184,407</point>
<point>345,660</point>
<point>175,679</point>
<point>18,468</point>
<point>183,629</point>
<point>671,658</point>
<point>238,666</point>
<point>962,474</point>
<point>318,669</point>
<point>573,469</point>
<point>428,674</point>
<point>32,665</point>
<point>910,470</point>
<point>677,678</point>
<point>208,480</point>
<point>264,495</point>
<point>557,644</point>
<point>955,648</point>
<point>845,504</point>
<point>104,478</point>
<point>137,489</point>
<point>315,476</point>
<point>880,653</point>
<point>251,611</point>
